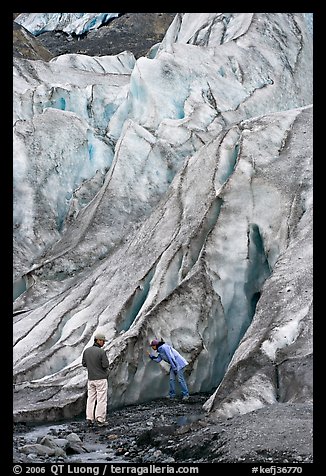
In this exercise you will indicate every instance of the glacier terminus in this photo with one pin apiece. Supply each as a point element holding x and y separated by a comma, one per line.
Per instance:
<point>168,196</point>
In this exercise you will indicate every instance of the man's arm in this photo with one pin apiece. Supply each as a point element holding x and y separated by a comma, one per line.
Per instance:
<point>105,362</point>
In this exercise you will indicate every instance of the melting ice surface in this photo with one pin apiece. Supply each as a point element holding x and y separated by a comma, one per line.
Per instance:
<point>169,196</point>
<point>77,23</point>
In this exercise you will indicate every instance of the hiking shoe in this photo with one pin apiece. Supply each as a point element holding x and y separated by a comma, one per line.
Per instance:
<point>185,398</point>
<point>89,422</point>
<point>169,397</point>
<point>102,423</point>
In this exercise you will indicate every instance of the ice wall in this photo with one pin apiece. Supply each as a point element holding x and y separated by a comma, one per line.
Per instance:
<point>193,191</point>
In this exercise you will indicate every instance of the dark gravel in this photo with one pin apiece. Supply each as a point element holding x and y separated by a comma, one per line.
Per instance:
<point>135,32</point>
<point>168,431</point>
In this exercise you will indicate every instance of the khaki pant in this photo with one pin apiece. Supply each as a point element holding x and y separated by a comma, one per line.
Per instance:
<point>96,400</point>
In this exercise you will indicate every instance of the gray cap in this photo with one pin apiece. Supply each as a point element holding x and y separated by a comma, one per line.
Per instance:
<point>99,336</point>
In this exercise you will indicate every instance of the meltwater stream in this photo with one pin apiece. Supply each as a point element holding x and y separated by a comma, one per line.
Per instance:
<point>135,433</point>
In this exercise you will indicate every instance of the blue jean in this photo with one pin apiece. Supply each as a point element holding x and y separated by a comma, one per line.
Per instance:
<point>182,382</point>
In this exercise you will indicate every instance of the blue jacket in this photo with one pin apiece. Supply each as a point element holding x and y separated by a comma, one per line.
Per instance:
<point>167,353</point>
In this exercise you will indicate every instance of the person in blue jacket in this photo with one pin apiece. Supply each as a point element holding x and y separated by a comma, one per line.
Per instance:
<point>167,353</point>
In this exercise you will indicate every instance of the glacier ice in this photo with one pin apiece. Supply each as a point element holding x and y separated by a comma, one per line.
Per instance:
<point>70,23</point>
<point>170,197</point>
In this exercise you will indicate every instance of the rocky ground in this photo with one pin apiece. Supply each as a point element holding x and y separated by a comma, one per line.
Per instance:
<point>172,431</point>
<point>135,32</point>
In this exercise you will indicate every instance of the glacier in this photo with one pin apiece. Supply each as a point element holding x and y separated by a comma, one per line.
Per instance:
<point>70,23</point>
<point>168,196</point>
